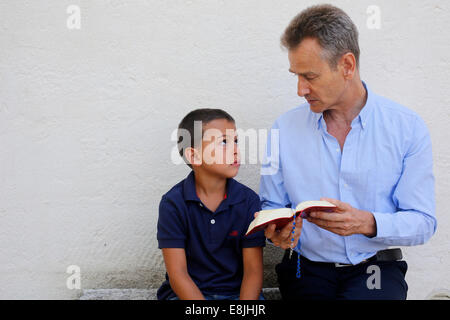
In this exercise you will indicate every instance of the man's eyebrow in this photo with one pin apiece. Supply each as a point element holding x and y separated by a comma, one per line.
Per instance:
<point>309,73</point>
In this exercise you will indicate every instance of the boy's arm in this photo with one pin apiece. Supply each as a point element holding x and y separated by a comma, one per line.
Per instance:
<point>180,281</point>
<point>253,273</point>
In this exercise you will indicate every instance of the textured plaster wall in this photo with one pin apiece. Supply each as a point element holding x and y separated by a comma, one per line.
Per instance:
<point>86,117</point>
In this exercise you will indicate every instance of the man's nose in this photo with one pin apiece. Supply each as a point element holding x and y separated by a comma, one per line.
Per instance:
<point>302,87</point>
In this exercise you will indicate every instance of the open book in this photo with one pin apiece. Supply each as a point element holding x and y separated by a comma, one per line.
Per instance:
<point>283,216</point>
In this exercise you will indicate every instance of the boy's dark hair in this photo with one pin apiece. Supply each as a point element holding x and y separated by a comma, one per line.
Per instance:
<point>331,26</point>
<point>187,127</point>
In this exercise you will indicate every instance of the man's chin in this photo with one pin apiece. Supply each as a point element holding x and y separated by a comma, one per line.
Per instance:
<point>316,107</point>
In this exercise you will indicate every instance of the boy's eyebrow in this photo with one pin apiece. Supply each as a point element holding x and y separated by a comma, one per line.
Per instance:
<point>225,136</point>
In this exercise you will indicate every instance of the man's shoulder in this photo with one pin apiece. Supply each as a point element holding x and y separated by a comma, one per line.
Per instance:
<point>397,120</point>
<point>394,110</point>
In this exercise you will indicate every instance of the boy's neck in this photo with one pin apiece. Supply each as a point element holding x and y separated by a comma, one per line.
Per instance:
<point>209,185</point>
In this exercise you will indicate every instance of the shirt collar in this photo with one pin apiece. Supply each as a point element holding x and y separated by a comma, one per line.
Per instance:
<point>364,114</point>
<point>233,195</point>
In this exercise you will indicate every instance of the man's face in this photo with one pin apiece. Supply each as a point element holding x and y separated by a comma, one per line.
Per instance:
<point>318,83</point>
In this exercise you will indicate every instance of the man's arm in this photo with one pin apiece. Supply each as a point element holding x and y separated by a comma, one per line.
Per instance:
<point>273,193</point>
<point>414,221</point>
<point>253,273</point>
<point>180,281</point>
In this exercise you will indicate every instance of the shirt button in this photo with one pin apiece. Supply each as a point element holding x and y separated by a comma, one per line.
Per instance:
<point>338,149</point>
<point>213,221</point>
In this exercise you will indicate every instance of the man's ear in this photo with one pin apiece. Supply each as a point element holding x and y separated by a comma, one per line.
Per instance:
<point>193,156</point>
<point>348,65</point>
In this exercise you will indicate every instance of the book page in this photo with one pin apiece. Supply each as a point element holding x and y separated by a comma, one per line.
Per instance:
<point>306,204</point>
<point>265,216</point>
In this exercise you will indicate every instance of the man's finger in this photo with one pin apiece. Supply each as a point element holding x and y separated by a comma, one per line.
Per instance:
<point>299,222</point>
<point>328,216</point>
<point>286,231</point>
<point>270,231</point>
<point>338,231</point>
<point>327,223</point>
<point>336,202</point>
<point>256,214</point>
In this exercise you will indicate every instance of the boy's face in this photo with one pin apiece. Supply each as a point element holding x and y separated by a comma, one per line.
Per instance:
<point>220,153</point>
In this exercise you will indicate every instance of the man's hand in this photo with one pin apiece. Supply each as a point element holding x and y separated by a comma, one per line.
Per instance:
<point>345,221</point>
<point>282,238</point>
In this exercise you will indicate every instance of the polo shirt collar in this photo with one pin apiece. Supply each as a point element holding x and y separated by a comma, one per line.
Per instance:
<point>364,115</point>
<point>233,195</point>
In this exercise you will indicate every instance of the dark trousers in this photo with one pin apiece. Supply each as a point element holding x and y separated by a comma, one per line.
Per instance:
<point>371,280</point>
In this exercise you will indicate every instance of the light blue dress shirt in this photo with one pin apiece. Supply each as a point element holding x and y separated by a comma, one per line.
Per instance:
<point>385,168</point>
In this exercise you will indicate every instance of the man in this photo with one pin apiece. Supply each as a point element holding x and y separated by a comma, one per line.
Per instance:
<point>369,156</point>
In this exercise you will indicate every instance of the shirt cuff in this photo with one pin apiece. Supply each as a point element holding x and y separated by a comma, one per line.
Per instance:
<point>171,243</point>
<point>383,224</point>
<point>260,242</point>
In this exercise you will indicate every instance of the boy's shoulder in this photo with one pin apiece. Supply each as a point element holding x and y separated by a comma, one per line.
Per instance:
<point>182,191</point>
<point>175,193</point>
<point>241,191</point>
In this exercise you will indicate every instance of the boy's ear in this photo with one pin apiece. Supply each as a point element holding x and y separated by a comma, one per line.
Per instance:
<point>193,156</point>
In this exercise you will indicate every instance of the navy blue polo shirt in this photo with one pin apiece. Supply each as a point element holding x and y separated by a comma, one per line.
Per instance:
<point>213,241</point>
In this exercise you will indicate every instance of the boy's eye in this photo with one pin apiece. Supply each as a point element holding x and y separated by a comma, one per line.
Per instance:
<point>224,141</point>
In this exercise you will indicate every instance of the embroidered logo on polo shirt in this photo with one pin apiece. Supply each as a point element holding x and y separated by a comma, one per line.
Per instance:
<point>234,233</point>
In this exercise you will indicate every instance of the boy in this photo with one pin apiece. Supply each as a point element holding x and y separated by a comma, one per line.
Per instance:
<point>203,219</point>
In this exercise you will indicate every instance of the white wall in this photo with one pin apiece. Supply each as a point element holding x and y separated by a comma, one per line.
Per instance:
<point>86,117</point>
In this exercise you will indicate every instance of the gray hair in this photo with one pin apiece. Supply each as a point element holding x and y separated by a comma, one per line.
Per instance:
<point>331,26</point>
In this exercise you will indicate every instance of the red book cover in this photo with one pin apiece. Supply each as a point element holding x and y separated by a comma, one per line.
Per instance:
<point>283,216</point>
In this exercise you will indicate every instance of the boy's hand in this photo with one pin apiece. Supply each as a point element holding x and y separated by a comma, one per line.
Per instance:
<point>282,238</point>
